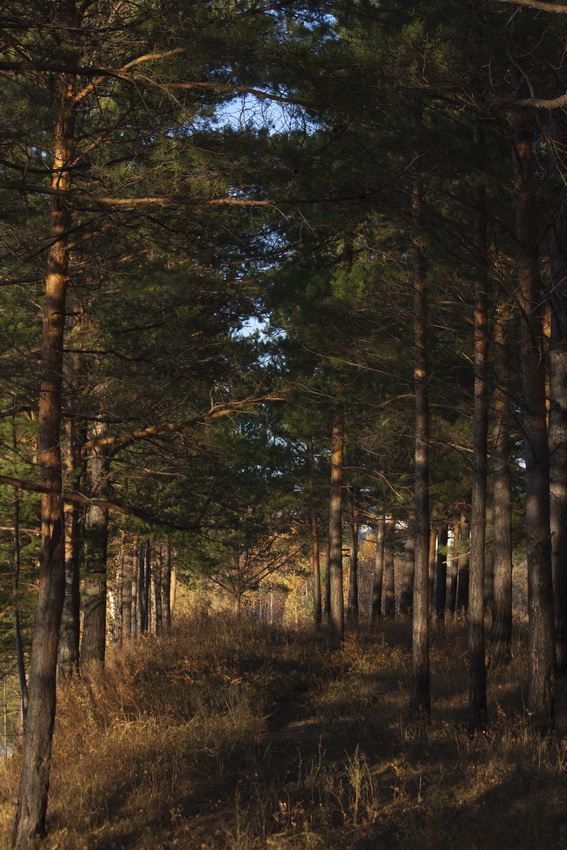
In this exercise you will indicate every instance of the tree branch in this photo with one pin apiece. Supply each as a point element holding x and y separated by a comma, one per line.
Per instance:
<point>539,4</point>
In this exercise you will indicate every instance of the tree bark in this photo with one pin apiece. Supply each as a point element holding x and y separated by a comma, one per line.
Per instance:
<point>17,625</point>
<point>502,494</point>
<point>558,431</point>
<point>478,713</point>
<point>541,690</point>
<point>453,569</point>
<point>405,602</point>
<point>93,643</point>
<point>389,574</point>
<point>378,571</point>
<point>336,618</point>
<point>315,543</point>
<point>462,602</point>
<point>440,586</point>
<point>34,783</point>
<point>420,701</point>
<point>167,605</point>
<point>352,609</point>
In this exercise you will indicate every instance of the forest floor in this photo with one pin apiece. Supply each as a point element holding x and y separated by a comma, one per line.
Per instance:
<point>244,736</point>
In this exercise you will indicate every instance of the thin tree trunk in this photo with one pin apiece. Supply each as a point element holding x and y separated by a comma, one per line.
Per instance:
<point>158,591</point>
<point>93,643</point>
<point>75,467</point>
<point>502,494</point>
<point>147,585</point>
<point>478,713</point>
<point>315,544</point>
<point>378,570</point>
<point>34,783</point>
<point>440,586</point>
<point>142,613</point>
<point>453,569</point>
<point>462,603</point>
<point>126,616</point>
<point>541,691</point>
<point>420,701</point>
<point>315,568</point>
<point>408,572</point>
<point>352,609</point>
<point>167,607</point>
<point>17,626</point>
<point>327,600</point>
<point>336,619</point>
<point>135,614</point>
<point>389,575</point>
<point>558,432</point>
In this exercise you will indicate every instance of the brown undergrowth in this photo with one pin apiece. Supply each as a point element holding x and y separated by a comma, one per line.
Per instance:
<point>246,737</point>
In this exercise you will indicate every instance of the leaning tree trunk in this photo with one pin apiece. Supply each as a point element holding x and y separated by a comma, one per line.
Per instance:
<point>336,618</point>
<point>502,493</point>
<point>420,697</point>
<point>34,783</point>
<point>541,691</point>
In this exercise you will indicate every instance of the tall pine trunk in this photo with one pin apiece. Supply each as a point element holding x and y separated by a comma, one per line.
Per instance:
<point>541,691</point>
<point>378,571</point>
<point>352,609</point>
<point>336,617</point>
<point>558,431</point>
<point>389,572</point>
<point>34,783</point>
<point>420,697</point>
<point>93,643</point>
<point>502,493</point>
<point>440,584</point>
<point>477,660</point>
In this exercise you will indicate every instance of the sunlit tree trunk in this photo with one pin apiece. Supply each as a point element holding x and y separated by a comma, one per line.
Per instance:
<point>336,618</point>
<point>378,571</point>
<point>462,602</point>
<point>167,605</point>
<point>389,573</point>
<point>453,569</point>
<point>420,697</point>
<point>440,585</point>
<point>352,609</point>
<point>34,783</point>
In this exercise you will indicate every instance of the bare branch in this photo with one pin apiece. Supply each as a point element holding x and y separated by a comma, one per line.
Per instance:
<point>216,412</point>
<point>539,4</point>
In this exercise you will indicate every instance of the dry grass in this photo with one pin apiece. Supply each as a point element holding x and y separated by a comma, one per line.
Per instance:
<point>246,737</point>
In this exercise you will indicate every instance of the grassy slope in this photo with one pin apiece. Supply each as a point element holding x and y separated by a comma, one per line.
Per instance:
<point>244,737</point>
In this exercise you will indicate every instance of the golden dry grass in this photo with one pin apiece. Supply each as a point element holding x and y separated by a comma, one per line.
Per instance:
<point>248,737</point>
